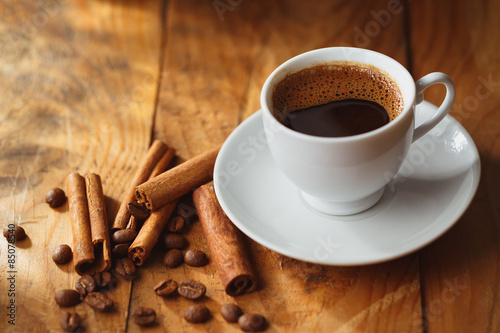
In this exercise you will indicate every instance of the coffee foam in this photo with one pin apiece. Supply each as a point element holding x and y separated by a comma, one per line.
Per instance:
<point>325,83</point>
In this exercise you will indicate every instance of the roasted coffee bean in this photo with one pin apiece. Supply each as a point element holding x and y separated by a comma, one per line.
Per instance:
<point>252,322</point>
<point>7,232</point>
<point>86,284</point>
<point>174,241</point>
<point>144,316</point>
<point>166,288</point>
<point>62,255</point>
<point>195,258</point>
<point>14,233</point>
<point>70,322</point>
<point>138,211</point>
<point>124,236</point>
<point>231,312</point>
<point>120,250</point>
<point>197,313</point>
<point>191,289</point>
<point>67,298</point>
<point>125,267</point>
<point>55,197</point>
<point>173,258</point>
<point>104,279</point>
<point>99,302</point>
<point>176,224</point>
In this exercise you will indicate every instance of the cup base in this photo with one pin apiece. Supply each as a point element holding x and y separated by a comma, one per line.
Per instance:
<point>343,207</point>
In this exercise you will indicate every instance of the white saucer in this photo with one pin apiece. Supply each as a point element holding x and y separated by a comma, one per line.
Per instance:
<point>435,186</point>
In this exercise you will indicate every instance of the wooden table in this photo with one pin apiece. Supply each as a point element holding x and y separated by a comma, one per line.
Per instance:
<point>86,86</point>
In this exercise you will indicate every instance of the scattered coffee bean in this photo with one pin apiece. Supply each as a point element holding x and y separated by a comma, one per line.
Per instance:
<point>120,250</point>
<point>231,312</point>
<point>138,211</point>
<point>174,241</point>
<point>125,267</point>
<point>67,298</point>
<point>166,288</point>
<point>173,258</point>
<point>252,322</point>
<point>176,224</point>
<point>103,279</point>
<point>144,316</point>
<point>62,255</point>
<point>191,289</point>
<point>55,197</point>
<point>99,302</point>
<point>197,313</point>
<point>85,285</point>
<point>124,236</point>
<point>195,258</point>
<point>70,322</point>
<point>14,233</point>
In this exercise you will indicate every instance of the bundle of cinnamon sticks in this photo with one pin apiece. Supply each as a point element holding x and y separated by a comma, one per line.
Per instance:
<point>89,223</point>
<point>157,192</point>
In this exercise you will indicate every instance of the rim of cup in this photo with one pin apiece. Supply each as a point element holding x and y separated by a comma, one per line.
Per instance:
<point>350,54</point>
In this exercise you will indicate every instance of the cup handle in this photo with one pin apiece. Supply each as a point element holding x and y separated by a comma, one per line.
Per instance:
<point>444,108</point>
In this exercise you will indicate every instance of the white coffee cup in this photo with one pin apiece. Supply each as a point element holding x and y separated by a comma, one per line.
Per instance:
<point>347,175</point>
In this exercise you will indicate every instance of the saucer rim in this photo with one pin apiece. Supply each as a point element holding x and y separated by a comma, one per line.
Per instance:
<point>475,174</point>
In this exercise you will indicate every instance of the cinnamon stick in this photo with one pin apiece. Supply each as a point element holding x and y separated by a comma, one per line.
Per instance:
<point>178,181</point>
<point>83,250</point>
<point>159,168</point>
<point>226,243</point>
<point>155,153</point>
<point>98,223</point>
<point>148,235</point>
<point>162,164</point>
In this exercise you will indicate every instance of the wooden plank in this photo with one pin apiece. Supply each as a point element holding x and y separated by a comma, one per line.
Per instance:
<point>214,66</point>
<point>78,83</point>
<point>460,270</point>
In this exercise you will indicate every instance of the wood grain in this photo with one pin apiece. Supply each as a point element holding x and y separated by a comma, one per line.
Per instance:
<point>460,270</point>
<point>78,85</point>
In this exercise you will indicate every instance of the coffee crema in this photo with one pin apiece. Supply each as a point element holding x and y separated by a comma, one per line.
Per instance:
<point>351,98</point>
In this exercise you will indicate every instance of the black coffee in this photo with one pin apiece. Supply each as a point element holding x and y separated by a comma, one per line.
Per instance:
<point>338,118</point>
<point>336,99</point>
